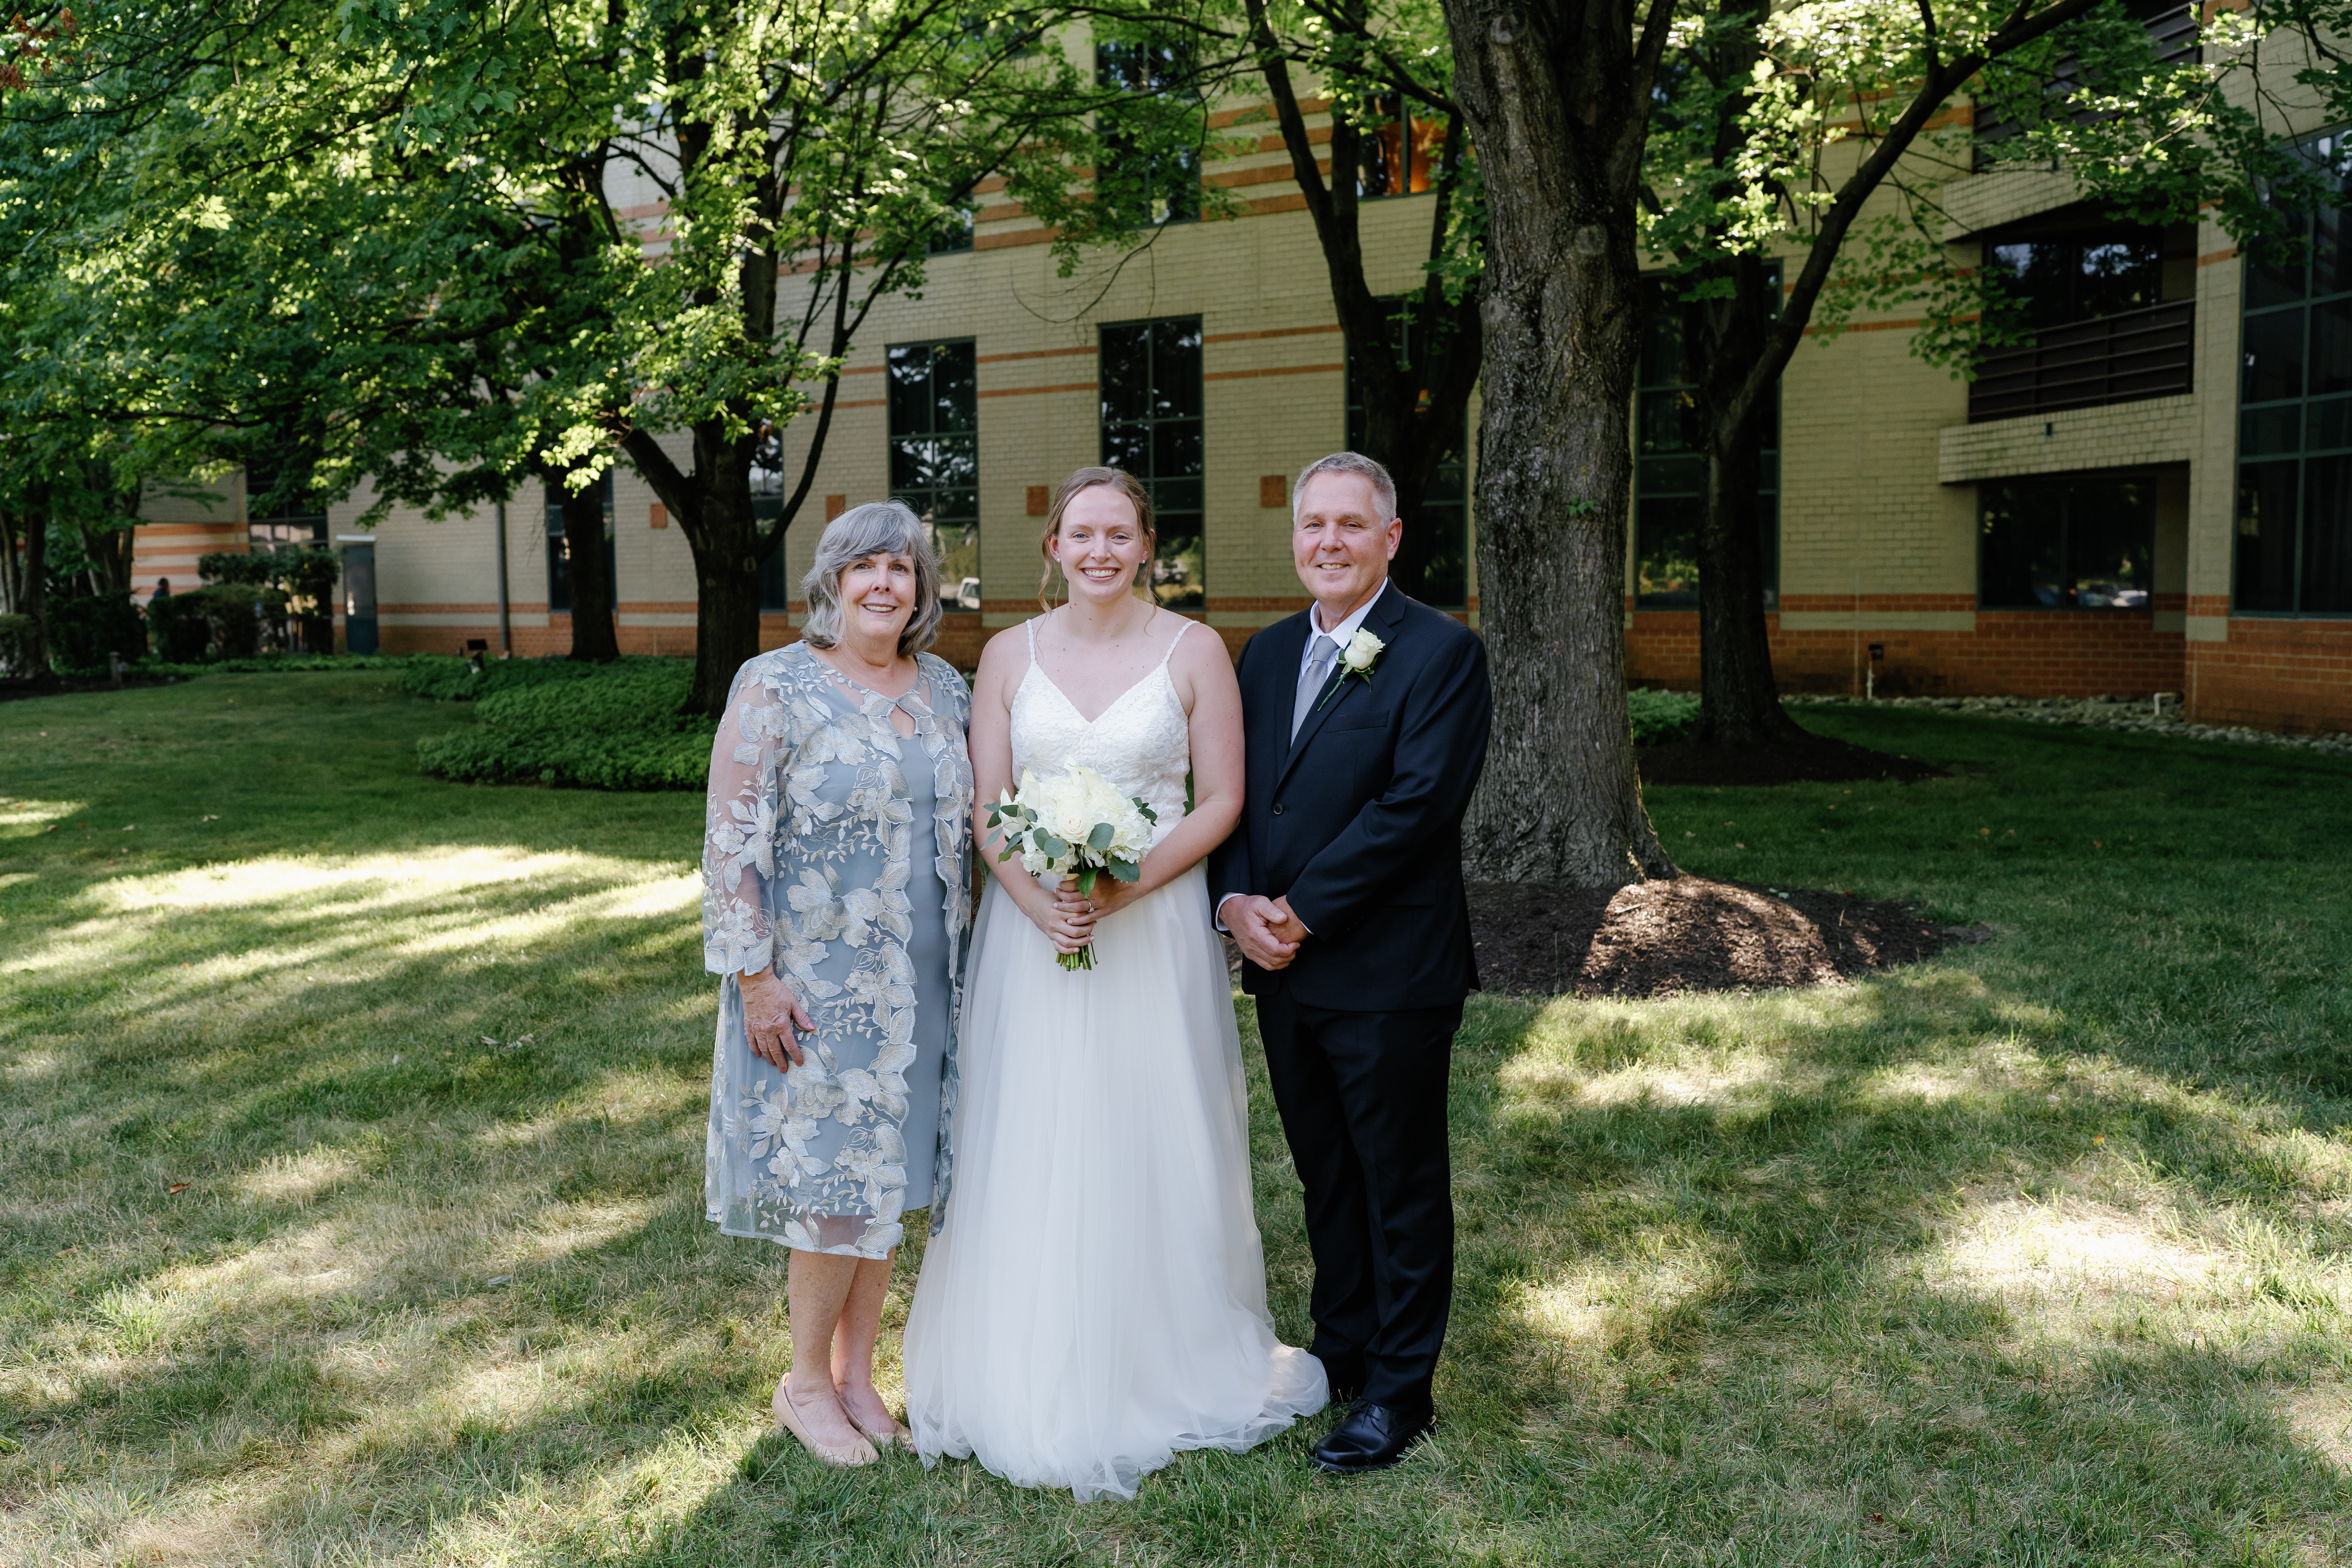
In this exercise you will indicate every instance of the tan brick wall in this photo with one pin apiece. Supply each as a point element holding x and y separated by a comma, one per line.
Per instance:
<point>1879,469</point>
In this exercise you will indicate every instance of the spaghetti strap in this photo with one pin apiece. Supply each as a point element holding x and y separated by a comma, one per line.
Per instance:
<point>1030,626</point>
<point>1182,626</point>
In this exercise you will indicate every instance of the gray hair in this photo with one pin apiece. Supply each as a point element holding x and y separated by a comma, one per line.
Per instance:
<point>878,528</point>
<point>1384,487</point>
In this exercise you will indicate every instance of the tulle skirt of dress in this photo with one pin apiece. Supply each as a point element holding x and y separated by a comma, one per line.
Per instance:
<point>1097,1298</point>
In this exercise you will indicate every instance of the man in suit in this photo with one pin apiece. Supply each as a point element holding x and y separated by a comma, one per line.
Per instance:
<point>1342,884</point>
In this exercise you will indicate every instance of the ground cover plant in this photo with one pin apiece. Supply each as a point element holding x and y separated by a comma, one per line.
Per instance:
<point>557,722</point>
<point>351,1133</point>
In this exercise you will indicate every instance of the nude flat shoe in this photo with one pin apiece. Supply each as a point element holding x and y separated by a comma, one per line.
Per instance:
<point>898,1434</point>
<point>788,1419</point>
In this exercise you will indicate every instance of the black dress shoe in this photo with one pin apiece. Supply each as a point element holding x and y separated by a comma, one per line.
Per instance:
<point>1371,1438</point>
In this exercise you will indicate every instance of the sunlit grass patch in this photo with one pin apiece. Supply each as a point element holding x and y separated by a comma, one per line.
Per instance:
<point>350,1156</point>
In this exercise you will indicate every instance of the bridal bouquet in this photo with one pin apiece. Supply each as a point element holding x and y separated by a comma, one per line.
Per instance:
<point>1075,824</point>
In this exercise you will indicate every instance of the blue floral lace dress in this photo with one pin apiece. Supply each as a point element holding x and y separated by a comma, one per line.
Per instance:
<point>835,849</point>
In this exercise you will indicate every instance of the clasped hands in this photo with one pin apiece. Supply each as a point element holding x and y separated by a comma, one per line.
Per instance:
<point>1266,929</point>
<point>1068,918</point>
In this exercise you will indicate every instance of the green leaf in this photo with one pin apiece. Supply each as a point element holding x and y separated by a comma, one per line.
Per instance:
<point>1052,845</point>
<point>1099,839</point>
<point>1125,870</point>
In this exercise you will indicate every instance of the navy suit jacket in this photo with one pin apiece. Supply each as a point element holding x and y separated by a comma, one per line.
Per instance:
<point>1360,819</point>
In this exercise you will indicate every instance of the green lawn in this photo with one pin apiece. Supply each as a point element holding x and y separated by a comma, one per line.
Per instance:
<point>350,1157</point>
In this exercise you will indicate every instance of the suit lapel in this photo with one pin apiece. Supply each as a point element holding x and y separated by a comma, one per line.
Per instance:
<point>1385,614</point>
<point>1286,640</point>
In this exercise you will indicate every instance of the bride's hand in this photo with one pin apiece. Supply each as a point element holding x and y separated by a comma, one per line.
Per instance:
<point>1065,919</point>
<point>1111,895</point>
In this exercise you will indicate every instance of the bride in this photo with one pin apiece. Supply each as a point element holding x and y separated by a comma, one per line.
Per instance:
<point>1096,1298</point>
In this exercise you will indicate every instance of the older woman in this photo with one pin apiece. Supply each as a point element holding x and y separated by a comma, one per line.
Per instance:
<point>835,904</point>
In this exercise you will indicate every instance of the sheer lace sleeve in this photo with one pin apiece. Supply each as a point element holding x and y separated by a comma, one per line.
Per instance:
<point>738,838</point>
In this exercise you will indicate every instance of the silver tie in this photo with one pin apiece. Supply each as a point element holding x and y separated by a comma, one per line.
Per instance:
<point>1310,684</point>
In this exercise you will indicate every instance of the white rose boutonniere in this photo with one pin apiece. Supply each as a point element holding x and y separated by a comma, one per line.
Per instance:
<point>1363,652</point>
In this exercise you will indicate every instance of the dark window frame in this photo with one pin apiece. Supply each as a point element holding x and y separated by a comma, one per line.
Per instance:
<point>1179,499</point>
<point>558,557</point>
<point>1446,501</point>
<point>2306,428</point>
<point>298,518</point>
<point>1145,67</point>
<point>1655,465</point>
<point>2067,487</point>
<point>1398,160</point>
<point>959,559</point>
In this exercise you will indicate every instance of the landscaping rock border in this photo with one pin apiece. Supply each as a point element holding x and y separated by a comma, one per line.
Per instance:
<point>2134,713</point>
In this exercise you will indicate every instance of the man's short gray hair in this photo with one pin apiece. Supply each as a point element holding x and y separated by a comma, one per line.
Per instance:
<point>878,528</point>
<point>1384,487</point>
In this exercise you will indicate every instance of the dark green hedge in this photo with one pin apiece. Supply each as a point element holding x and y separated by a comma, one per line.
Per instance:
<point>445,679</point>
<point>551,721</point>
<point>83,631</point>
<point>1660,715</point>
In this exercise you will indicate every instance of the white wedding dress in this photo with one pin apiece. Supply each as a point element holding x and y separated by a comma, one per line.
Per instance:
<point>1096,1299</point>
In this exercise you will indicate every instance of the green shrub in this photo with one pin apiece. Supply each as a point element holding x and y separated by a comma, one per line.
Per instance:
<point>249,568</point>
<point>20,641</point>
<point>182,633</point>
<point>84,631</point>
<point>447,678</point>
<point>614,726</point>
<point>1660,715</point>
<point>233,611</point>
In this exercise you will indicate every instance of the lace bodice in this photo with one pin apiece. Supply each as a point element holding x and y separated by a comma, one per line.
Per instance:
<point>1142,743</point>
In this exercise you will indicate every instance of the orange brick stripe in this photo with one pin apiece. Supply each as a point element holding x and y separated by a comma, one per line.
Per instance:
<point>2025,653</point>
<point>2290,675</point>
<point>1087,349</point>
<point>1271,370</point>
<point>1873,603</point>
<point>1270,333</point>
<point>1034,391</point>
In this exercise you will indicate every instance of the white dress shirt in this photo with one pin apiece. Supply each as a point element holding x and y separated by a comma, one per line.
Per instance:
<point>1342,634</point>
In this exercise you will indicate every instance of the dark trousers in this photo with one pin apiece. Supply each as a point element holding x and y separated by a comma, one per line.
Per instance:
<point>1362,1097</point>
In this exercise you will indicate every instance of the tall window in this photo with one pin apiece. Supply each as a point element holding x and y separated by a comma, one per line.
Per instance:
<point>767,505</point>
<point>280,506</point>
<point>559,548</point>
<point>1670,463</point>
<point>1151,163</point>
<point>2294,401</point>
<point>2084,275</point>
<point>1433,565</point>
<point>953,235</point>
<point>1151,427</point>
<point>934,398</point>
<point>2084,543</point>
<point>1401,147</point>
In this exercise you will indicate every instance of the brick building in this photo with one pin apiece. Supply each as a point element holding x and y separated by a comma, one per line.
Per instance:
<point>2157,496</point>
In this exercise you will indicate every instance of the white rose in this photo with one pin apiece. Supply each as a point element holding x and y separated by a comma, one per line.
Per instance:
<point>1361,650</point>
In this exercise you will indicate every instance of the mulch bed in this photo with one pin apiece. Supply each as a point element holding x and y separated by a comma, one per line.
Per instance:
<point>1690,933</point>
<point>1815,759</point>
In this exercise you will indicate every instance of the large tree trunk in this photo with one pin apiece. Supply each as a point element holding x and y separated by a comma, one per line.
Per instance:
<point>109,549</point>
<point>33,596</point>
<point>713,506</point>
<point>1739,702</point>
<point>593,636</point>
<point>1552,95</point>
